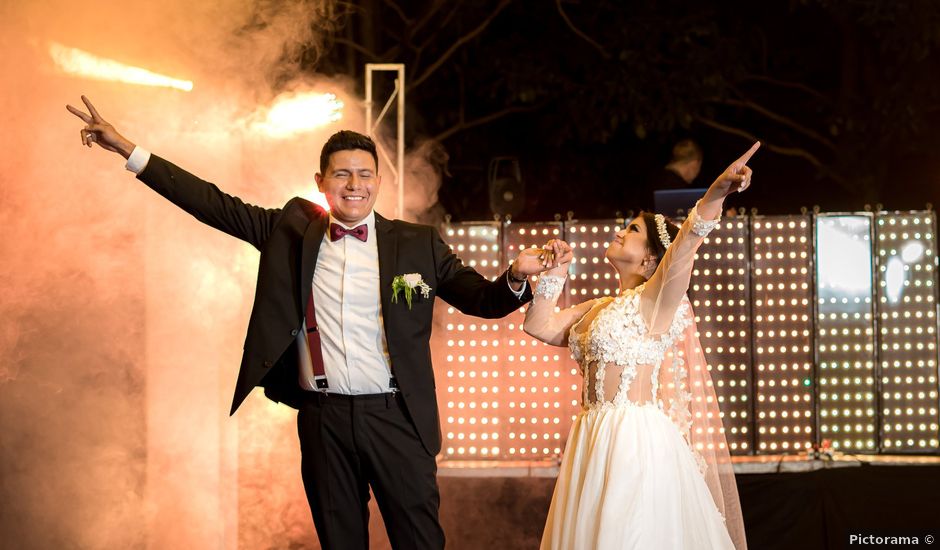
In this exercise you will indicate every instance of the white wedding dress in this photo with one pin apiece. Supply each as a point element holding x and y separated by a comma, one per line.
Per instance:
<point>646,465</point>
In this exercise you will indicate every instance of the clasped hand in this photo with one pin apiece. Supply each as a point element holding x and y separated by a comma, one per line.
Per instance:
<point>531,261</point>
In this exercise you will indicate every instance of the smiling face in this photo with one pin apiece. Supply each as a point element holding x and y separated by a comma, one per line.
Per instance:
<point>630,248</point>
<point>351,185</point>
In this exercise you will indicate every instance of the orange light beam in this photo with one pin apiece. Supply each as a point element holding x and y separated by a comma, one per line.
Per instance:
<point>298,113</point>
<point>81,63</point>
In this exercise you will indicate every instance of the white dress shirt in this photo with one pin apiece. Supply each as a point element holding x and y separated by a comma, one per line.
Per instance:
<point>349,316</point>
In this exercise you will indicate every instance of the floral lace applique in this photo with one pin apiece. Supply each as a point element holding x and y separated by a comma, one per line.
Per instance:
<point>549,286</point>
<point>679,408</point>
<point>679,411</point>
<point>702,227</point>
<point>618,336</point>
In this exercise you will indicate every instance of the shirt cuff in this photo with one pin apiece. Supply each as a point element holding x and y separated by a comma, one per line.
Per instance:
<point>519,292</point>
<point>138,160</point>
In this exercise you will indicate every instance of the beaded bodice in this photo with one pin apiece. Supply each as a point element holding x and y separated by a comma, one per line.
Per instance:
<point>617,342</point>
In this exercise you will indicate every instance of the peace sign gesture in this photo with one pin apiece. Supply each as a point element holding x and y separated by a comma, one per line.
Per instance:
<point>98,130</point>
<point>736,177</point>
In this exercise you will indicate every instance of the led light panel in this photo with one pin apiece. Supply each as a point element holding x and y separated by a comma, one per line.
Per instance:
<point>782,292</point>
<point>845,332</point>
<point>907,328</point>
<point>720,299</point>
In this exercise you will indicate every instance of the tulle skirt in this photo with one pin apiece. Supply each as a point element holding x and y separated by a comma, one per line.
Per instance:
<point>628,480</point>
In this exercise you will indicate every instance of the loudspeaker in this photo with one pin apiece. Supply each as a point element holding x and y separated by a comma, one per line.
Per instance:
<point>507,191</point>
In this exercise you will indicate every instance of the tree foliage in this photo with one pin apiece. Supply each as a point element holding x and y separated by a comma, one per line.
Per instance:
<point>842,87</point>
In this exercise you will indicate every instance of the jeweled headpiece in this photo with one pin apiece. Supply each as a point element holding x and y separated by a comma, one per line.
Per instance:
<point>661,229</point>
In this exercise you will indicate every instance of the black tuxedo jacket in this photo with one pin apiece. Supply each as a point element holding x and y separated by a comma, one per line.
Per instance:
<point>289,240</point>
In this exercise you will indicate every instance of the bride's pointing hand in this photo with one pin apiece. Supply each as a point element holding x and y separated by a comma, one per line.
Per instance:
<point>736,177</point>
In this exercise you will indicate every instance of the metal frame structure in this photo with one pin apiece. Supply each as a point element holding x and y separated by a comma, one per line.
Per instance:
<point>398,165</point>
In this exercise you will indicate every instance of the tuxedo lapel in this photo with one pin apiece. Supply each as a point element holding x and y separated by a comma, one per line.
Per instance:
<point>387,241</point>
<point>313,236</point>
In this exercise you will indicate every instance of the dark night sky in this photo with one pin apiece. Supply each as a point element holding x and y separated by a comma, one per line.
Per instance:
<point>844,87</point>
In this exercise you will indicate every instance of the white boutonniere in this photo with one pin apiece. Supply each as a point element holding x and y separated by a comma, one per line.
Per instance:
<point>407,284</point>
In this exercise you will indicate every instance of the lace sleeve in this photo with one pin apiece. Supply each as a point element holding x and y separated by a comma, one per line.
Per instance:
<point>669,283</point>
<point>699,226</point>
<point>541,319</point>
<point>550,287</point>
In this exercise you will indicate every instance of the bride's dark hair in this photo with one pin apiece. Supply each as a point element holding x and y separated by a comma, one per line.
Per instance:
<point>652,233</point>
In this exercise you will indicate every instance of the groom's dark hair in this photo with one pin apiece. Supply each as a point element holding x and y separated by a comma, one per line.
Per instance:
<point>346,140</point>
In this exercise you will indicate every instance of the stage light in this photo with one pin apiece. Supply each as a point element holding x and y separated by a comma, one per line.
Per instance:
<point>894,278</point>
<point>845,332</point>
<point>843,253</point>
<point>538,375</point>
<point>781,288</point>
<point>295,113</point>
<point>81,63</point>
<point>718,290</point>
<point>906,281</point>
<point>505,395</point>
<point>590,275</point>
<point>471,391</point>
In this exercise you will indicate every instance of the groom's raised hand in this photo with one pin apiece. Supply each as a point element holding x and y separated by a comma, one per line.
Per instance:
<point>98,130</point>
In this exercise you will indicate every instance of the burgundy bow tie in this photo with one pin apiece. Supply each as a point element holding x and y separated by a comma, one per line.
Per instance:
<point>337,232</point>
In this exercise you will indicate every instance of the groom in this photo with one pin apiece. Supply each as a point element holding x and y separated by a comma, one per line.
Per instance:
<point>330,337</point>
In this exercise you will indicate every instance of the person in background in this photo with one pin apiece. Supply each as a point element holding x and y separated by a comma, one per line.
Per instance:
<point>683,167</point>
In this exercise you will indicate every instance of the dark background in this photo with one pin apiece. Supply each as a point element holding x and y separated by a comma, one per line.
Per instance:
<point>590,95</point>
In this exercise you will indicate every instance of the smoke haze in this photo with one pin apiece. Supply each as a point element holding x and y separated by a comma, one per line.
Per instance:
<point>123,317</point>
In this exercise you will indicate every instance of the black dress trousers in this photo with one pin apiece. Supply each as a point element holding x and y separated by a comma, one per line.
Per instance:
<point>349,443</point>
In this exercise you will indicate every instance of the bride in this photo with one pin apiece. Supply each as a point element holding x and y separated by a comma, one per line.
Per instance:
<point>646,464</point>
